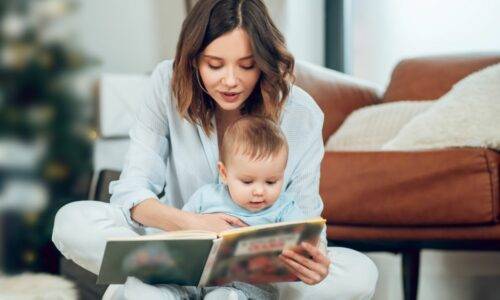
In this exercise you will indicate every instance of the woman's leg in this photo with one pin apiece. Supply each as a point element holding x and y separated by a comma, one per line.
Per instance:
<point>353,276</point>
<point>80,232</point>
<point>81,229</point>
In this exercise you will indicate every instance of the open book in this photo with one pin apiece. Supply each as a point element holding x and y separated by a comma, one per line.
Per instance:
<point>203,258</point>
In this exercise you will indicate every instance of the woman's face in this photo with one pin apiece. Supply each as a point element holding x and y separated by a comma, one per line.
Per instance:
<point>228,69</point>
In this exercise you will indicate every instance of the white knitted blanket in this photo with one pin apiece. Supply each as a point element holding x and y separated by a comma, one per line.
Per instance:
<point>31,286</point>
<point>467,116</point>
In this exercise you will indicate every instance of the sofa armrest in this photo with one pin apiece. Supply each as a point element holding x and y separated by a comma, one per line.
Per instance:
<point>104,178</point>
<point>442,187</point>
<point>428,78</point>
<point>337,94</point>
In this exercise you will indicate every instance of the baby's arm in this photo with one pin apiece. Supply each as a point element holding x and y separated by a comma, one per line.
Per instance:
<point>200,203</point>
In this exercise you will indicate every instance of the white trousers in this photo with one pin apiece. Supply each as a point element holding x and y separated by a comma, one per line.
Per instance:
<point>81,229</point>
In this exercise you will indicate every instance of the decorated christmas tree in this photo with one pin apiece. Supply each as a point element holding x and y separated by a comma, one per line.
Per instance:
<point>45,129</point>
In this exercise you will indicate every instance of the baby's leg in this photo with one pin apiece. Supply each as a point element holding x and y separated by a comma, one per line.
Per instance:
<point>136,289</point>
<point>225,292</point>
<point>80,232</point>
<point>241,291</point>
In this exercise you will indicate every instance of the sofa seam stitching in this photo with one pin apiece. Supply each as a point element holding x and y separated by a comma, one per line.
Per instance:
<point>494,206</point>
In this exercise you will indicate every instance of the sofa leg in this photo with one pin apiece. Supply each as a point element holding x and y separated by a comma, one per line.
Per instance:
<point>411,265</point>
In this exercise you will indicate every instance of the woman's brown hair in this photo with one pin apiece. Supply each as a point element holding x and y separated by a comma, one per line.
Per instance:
<point>210,19</point>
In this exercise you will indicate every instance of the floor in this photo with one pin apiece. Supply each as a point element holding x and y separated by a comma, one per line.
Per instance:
<point>457,275</point>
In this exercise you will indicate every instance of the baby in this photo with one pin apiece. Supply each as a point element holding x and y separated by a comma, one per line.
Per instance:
<point>253,158</point>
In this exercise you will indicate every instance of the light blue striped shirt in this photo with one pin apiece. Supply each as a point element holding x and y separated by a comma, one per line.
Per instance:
<point>215,198</point>
<point>169,153</point>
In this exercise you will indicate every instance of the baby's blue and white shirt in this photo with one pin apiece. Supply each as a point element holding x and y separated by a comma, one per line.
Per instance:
<point>215,198</point>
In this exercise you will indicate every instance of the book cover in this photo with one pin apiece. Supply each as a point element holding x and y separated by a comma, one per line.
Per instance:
<point>197,258</point>
<point>155,261</point>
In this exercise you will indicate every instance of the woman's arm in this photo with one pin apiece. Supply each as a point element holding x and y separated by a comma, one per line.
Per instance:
<point>144,172</point>
<point>305,125</point>
<point>312,268</point>
<point>152,212</point>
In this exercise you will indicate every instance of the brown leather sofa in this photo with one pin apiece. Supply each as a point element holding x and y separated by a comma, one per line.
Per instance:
<point>406,201</point>
<point>397,201</point>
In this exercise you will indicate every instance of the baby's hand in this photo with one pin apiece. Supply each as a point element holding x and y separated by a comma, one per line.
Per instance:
<point>215,222</point>
<point>232,220</point>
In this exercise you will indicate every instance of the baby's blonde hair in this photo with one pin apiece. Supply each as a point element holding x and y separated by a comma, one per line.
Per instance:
<point>257,137</point>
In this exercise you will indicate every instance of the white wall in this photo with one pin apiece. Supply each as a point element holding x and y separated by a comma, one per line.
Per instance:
<point>303,28</point>
<point>129,35</point>
<point>133,36</point>
<point>385,31</point>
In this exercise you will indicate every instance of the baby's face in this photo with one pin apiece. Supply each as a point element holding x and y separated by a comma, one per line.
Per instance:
<point>254,184</point>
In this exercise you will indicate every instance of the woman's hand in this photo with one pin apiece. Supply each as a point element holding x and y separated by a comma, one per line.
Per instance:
<point>216,222</point>
<point>310,270</point>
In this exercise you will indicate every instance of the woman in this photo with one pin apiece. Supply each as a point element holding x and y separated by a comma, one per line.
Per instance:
<point>231,60</point>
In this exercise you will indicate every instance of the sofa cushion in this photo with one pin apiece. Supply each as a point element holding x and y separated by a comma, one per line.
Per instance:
<point>119,97</point>
<point>464,236</point>
<point>469,115</point>
<point>431,77</point>
<point>368,128</point>
<point>424,188</point>
<point>110,153</point>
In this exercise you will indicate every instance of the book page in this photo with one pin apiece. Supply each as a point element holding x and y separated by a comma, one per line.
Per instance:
<point>171,235</point>
<point>258,227</point>
<point>209,264</point>
<point>251,255</point>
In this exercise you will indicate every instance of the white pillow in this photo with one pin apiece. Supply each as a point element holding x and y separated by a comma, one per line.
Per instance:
<point>368,128</point>
<point>467,116</point>
<point>120,97</point>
